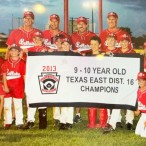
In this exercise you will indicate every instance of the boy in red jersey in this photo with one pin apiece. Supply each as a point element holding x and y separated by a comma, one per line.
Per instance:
<point>124,43</point>
<point>38,47</point>
<point>13,71</point>
<point>141,97</point>
<point>2,93</point>
<point>111,41</point>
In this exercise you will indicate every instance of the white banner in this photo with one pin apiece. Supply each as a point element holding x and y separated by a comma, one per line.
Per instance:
<point>88,81</point>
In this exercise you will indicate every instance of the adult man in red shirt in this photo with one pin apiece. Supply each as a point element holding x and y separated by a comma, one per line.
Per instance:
<point>23,36</point>
<point>51,35</point>
<point>112,21</point>
<point>81,44</point>
<point>81,38</point>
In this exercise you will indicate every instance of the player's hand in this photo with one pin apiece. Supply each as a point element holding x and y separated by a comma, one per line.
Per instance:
<point>6,89</point>
<point>137,113</point>
<point>145,124</point>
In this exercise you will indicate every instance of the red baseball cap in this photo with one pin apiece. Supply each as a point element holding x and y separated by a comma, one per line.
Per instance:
<point>14,46</point>
<point>54,16</point>
<point>125,37</point>
<point>82,19</point>
<point>144,44</point>
<point>112,14</point>
<point>38,34</point>
<point>141,75</point>
<point>28,13</point>
<point>66,40</point>
<point>112,35</point>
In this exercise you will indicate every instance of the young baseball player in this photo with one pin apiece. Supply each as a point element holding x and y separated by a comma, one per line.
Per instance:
<point>111,41</point>
<point>95,44</point>
<point>38,47</point>
<point>13,71</point>
<point>124,43</point>
<point>81,44</point>
<point>2,93</point>
<point>66,113</point>
<point>141,97</point>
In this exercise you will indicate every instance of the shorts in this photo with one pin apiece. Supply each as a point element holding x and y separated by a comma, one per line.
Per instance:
<point>2,92</point>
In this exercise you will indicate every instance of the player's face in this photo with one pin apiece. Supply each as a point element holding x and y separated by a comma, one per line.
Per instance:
<point>82,27</point>
<point>94,45</point>
<point>111,42</point>
<point>14,53</point>
<point>124,44</point>
<point>54,24</point>
<point>38,41</point>
<point>142,83</point>
<point>28,21</point>
<point>65,46</point>
<point>59,43</point>
<point>112,22</point>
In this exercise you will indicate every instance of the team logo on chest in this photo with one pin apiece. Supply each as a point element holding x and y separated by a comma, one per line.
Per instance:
<point>49,83</point>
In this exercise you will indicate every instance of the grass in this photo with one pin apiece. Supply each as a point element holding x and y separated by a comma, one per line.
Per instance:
<point>78,136</point>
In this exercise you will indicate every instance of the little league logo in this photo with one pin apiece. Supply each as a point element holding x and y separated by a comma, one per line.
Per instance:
<point>49,83</point>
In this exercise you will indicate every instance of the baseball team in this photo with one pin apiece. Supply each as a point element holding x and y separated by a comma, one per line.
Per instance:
<point>83,42</point>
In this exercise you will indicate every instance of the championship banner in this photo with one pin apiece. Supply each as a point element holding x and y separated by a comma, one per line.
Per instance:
<point>82,81</point>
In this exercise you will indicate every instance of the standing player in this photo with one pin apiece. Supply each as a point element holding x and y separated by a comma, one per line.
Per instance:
<point>22,36</point>
<point>112,21</point>
<point>2,93</point>
<point>81,43</point>
<point>38,47</point>
<point>13,71</point>
<point>52,39</point>
<point>141,95</point>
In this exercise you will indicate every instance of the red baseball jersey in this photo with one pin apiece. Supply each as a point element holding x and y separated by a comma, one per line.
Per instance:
<point>15,71</point>
<point>119,33</point>
<point>50,39</point>
<point>116,50</point>
<point>1,62</point>
<point>81,42</point>
<point>38,49</point>
<point>128,51</point>
<point>141,100</point>
<point>22,38</point>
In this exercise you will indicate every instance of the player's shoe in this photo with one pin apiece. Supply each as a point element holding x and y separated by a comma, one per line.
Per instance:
<point>108,129</point>
<point>7,126</point>
<point>129,126</point>
<point>77,119</point>
<point>62,126</point>
<point>56,123</point>
<point>29,125</point>
<point>119,125</point>
<point>19,126</point>
<point>68,126</point>
<point>13,121</point>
